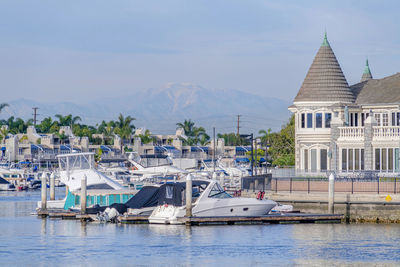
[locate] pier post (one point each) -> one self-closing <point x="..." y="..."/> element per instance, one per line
<point x="44" y="192"/>
<point x="83" y="194"/>
<point x="189" y="195"/>
<point x="52" y="186"/>
<point x="331" y="199"/>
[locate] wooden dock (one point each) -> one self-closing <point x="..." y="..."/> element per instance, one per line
<point x="231" y="220"/>
<point x="224" y="220"/>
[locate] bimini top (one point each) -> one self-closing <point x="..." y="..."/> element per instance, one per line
<point x="325" y="81"/>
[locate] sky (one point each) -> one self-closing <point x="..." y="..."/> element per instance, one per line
<point x="80" y="50"/>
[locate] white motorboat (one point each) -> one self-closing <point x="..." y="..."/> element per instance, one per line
<point x="209" y="199"/>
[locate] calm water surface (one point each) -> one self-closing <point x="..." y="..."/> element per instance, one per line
<point x="27" y="240"/>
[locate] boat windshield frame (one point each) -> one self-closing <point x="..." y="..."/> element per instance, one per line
<point x="218" y="192"/>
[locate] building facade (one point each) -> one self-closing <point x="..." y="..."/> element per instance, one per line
<point x="344" y="128"/>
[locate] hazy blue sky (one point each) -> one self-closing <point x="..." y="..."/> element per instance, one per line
<point x="73" y="50"/>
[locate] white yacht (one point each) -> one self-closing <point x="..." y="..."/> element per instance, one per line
<point x="209" y="199"/>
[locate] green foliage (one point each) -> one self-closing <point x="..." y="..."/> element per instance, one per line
<point x="232" y="139"/>
<point x="195" y="135"/>
<point x="257" y="155"/>
<point x="146" y="138"/>
<point x="281" y="144"/>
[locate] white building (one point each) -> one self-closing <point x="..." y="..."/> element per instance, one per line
<point x="346" y="128"/>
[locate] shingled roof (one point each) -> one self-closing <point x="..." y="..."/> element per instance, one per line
<point x="378" y="91"/>
<point x="325" y="80"/>
<point x="367" y="73"/>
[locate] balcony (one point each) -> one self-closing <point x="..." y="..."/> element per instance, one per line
<point x="386" y="133"/>
<point x="351" y="133"/>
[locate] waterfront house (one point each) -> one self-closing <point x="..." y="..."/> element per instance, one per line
<point x="346" y="128"/>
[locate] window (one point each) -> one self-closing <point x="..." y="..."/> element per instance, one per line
<point x="328" y="118"/>
<point x="313" y="159"/>
<point x="385" y="119"/>
<point x="362" y="159"/>
<point x="396" y="159"/>
<point x="303" y="120"/>
<point x="377" y="159"/>
<point x="356" y="159"/>
<point x="393" y="119"/>
<point x="355" y="119"/>
<point x="398" y="119"/>
<point x="318" y="120"/>
<point x="306" y="159"/>
<point x="169" y="191"/>
<point x="384" y="159"/>
<point x="309" y="120"/>
<point x="350" y="164"/>
<point x="362" y="119"/>
<point x="351" y="119"/>
<point x="378" y="119"/>
<point x="344" y="159"/>
<point x="323" y="160"/>
<point x="218" y="192"/>
<point x="390" y="159"/>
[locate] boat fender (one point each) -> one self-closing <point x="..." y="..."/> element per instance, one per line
<point x="262" y="195"/>
<point x="259" y="195"/>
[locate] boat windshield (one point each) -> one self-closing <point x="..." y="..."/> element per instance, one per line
<point x="218" y="192"/>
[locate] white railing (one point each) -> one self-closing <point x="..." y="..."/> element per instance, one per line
<point x="386" y="132"/>
<point x="351" y="132"/>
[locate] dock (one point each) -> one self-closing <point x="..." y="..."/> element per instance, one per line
<point x="222" y="220"/>
<point x="232" y="220"/>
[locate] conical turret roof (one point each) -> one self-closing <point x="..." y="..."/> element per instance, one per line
<point x="367" y="73"/>
<point x="325" y="80"/>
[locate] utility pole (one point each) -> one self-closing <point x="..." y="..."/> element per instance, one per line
<point x="238" y="124"/>
<point x="35" y="115"/>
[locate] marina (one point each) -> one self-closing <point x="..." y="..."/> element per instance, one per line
<point x="55" y="239"/>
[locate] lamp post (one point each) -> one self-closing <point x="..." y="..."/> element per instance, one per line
<point x="252" y="152"/>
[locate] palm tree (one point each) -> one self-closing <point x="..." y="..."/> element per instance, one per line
<point x="187" y="127"/>
<point x="146" y="137"/>
<point x="194" y="134"/>
<point x="124" y="128"/>
<point x="3" y="133"/>
<point x="266" y="136"/>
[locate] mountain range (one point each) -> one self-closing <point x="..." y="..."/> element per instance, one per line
<point x="160" y="109"/>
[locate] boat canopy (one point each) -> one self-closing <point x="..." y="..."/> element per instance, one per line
<point x="72" y="161"/>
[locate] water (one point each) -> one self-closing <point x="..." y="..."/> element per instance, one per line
<point x="27" y="240"/>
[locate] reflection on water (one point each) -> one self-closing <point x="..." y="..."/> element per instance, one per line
<point x="29" y="240"/>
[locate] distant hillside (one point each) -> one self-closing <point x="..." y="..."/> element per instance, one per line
<point x="160" y="109"/>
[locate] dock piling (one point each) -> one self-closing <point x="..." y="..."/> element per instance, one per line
<point x="44" y="192"/>
<point x="189" y="195"/>
<point x="83" y="194"/>
<point x="52" y="187"/>
<point x="331" y="199"/>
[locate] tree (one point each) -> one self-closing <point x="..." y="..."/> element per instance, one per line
<point x="3" y="133"/>
<point x="282" y="145"/>
<point x="195" y="135"/>
<point x="124" y="128"/>
<point x="232" y="139"/>
<point x="146" y="137"/>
